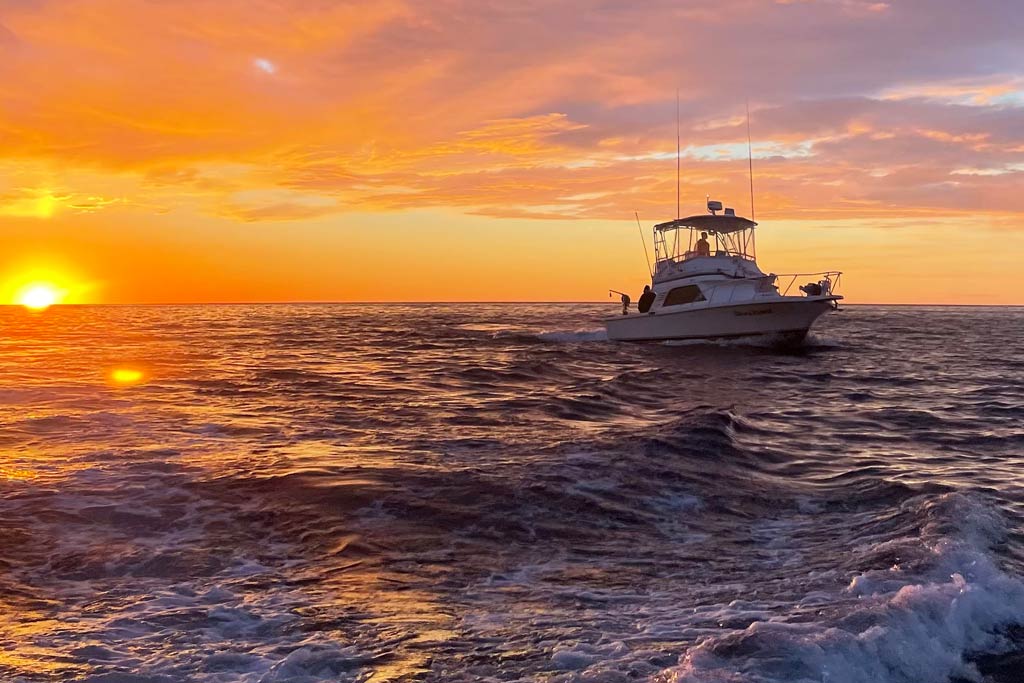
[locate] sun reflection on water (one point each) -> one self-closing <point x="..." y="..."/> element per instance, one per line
<point x="15" y="473"/>
<point x="23" y="623"/>
<point x="126" y="376"/>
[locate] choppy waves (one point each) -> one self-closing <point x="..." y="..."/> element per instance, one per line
<point x="476" y="494"/>
<point x="922" y="619"/>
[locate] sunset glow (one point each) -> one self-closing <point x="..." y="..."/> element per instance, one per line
<point x="39" y="297"/>
<point x="529" y="340"/>
<point x="222" y="154"/>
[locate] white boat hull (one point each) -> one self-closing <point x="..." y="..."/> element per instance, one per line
<point x="788" y="318"/>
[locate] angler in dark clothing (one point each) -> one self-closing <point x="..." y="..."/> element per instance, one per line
<point x="646" y="300"/>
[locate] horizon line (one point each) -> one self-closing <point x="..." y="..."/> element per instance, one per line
<point x="448" y="302"/>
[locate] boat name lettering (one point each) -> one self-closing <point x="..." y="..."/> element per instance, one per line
<point x="757" y="311"/>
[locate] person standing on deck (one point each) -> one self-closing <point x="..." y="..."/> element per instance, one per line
<point x="646" y="300"/>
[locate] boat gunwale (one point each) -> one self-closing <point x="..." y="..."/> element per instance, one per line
<point x="767" y="302"/>
<point x="713" y="337"/>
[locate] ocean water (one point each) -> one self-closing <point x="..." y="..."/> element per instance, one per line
<point x="496" y="493"/>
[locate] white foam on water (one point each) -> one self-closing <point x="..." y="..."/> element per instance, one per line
<point x="486" y="327"/>
<point x="920" y="621"/>
<point x="576" y="657"/>
<point x="315" y="663"/>
<point x="904" y="627"/>
<point x="573" y="336"/>
<point x="922" y="633"/>
<point x="142" y="593"/>
<point x="740" y="342"/>
<point x="687" y="342"/>
<point x="223" y="631"/>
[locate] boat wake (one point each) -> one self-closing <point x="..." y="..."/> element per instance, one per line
<point x="573" y="336"/>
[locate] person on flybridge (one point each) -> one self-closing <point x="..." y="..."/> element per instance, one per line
<point x="703" y="248"/>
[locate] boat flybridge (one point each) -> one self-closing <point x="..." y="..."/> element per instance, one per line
<point x="706" y="285"/>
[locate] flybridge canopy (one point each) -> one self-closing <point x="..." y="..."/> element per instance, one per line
<point x="709" y="236"/>
<point x="721" y="225"/>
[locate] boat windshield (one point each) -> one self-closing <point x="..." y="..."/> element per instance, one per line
<point x="704" y="236"/>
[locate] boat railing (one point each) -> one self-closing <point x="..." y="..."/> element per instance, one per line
<point x="827" y="280"/>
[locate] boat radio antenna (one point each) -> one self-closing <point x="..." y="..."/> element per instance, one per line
<point x="750" y="163"/>
<point x="646" y="255"/>
<point x="677" y="154"/>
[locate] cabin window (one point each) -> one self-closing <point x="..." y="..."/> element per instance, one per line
<point x="683" y="295"/>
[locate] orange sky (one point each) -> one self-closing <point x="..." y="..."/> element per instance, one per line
<point x="275" y="151"/>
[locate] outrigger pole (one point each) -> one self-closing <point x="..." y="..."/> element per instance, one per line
<point x="677" y="154"/>
<point x="750" y="163"/>
<point x="675" y="244"/>
<point x="750" y="171"/>
<point x="646" y="255"/>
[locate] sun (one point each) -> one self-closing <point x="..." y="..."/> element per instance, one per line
<point x="39" y="296"/>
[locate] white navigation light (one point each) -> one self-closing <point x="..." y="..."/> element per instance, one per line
<point x="714" y="206"/>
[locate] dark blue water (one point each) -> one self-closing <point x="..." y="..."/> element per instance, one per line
<point x="496" y="493"/>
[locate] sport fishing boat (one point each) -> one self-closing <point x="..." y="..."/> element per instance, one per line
<point x="706" y="284"/>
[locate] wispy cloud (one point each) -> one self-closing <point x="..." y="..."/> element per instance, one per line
<point x="284" y="110"/>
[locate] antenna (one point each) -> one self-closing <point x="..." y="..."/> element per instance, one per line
<point x="646" y="256"/>
<point x="677" y="153"/>
<point x="750" y="163"/>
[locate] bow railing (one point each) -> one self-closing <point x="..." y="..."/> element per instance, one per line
<point x="826" y="280"/>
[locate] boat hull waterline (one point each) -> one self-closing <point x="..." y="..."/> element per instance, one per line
<point x="786" y="319"/>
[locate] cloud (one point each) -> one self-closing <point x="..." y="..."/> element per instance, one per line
<point x="46" y="202"/>
<point x="282" y="110"/>
<point x="999" y="89"/>
<point x="264" y="65"/>
<point x="276" y="205"/>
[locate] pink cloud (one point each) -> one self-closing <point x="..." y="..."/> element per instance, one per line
<point x="521" y="108"/>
